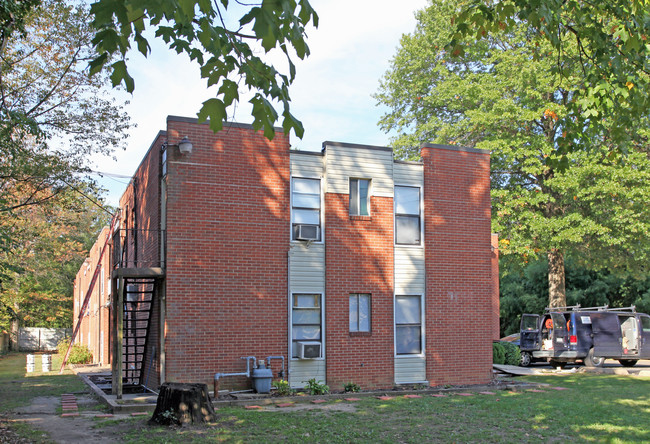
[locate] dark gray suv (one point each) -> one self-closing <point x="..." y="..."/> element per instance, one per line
<point x="591" y="335"/>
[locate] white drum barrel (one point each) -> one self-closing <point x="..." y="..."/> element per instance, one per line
<point x="46" y="361"/>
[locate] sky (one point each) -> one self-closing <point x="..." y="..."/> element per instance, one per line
<point x="332" y="94"/>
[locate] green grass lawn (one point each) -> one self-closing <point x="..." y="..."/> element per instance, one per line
<point x="593" y="408"/>
<point x="17" y="387"/>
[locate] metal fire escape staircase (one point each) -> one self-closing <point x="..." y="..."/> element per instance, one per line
<point x="137" y="308"/>
<point x="137" y="286"/>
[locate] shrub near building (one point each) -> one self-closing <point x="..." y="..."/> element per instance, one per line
<point x="80" y="354"/>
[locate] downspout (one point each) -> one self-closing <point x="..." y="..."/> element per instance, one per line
<point x="289" y="302"/>
<point x="163" y="264"/>
<point x="135" y="222"/>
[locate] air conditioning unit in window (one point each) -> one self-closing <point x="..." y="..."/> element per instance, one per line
<point x="309" y="350"/>
<point x="308" y="232"/>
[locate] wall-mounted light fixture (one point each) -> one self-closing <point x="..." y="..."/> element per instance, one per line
<point x="185" y="146"/>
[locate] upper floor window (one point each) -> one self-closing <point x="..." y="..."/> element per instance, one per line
<point x="407" y="215"/>
<point x="359" y="312"/>
<point x="359" y="197"/>
<point x="305" y="209"/>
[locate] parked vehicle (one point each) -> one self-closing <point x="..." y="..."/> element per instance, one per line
<point x="572" y="334"/>
<point x="513" y="338"/>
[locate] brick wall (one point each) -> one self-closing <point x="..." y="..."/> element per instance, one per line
<point x="359" y="258"/>
<point x="459" y="305"/>
<point x="227" y="242"/>
<point x="496" y="325"/>
<point x="97" y="314"/>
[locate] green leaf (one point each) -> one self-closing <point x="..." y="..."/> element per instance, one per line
<point x="213" y="110"/>
<point x="97" y="64"/>
<point x="230" y="92"/>
<point x="143" y="44"/>
<point x="120" y="74"/>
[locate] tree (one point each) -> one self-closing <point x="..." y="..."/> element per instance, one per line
<point x="524" y="289"/>
<point x="40" y="259"/>
<point x="503" y="94"/>
<point x="608" y="41"/>
<point x="200" y="28"/>
<point x="46" y="93"/>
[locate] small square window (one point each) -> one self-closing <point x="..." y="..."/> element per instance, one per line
<point x="359" y="312"/>
<point x="359" y="197"/>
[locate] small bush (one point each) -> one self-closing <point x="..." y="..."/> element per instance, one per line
<point x="351" y="387"/>
<point x="317" y="387"/>
<point x="512" y="353"/>
<point x="498" y="353"/>
<point x="282" y="387"/>
<point x="80" y="354"/>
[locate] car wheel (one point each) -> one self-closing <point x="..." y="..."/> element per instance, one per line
<point x="526" y="359"/>
<point x="593" y="361"/>
<point x="627" y="362"/>
<point x="556" y="364"/>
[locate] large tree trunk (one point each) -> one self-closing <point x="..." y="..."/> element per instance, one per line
<point x="15" y="329"/>
<point x="180" y="403"/>
<point x="556" y="286"/>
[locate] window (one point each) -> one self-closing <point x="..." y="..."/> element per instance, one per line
<point x="306" y="320"/>
<point x="645" y="323"/>
<point x="359" y="312"/>
<point x="359" y="195"/>
<point x="407" y="215"/>
<point x="305" y="209"/>
<point x="164" y="159"/>
<point x="408" y="325"/>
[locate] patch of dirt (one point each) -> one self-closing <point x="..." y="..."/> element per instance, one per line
<point x="42" y="415"/>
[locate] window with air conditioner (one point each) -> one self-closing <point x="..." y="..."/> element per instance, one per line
<point x="408" y="226"/>
<point x="305" y="209"/>
<point x="309" y="350"/>
<point x="306" y="326"/>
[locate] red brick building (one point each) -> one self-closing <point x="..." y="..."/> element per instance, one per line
<point x="353" y="266"/>
<point x="95" y="322"/>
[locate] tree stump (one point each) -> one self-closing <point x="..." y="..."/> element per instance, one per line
<point x="180" y="403"/>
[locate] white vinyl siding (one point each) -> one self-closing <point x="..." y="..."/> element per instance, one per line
<point x="410" y="370"/>
<point x="344" y="162"/>
<point x="307" y="268"/>
<point x="302" y="370"/>
<point x="410" y="174"/>
<point x="410" y="276"/>
<point x="307" y="276"/>
<point x="306" y="165"/>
